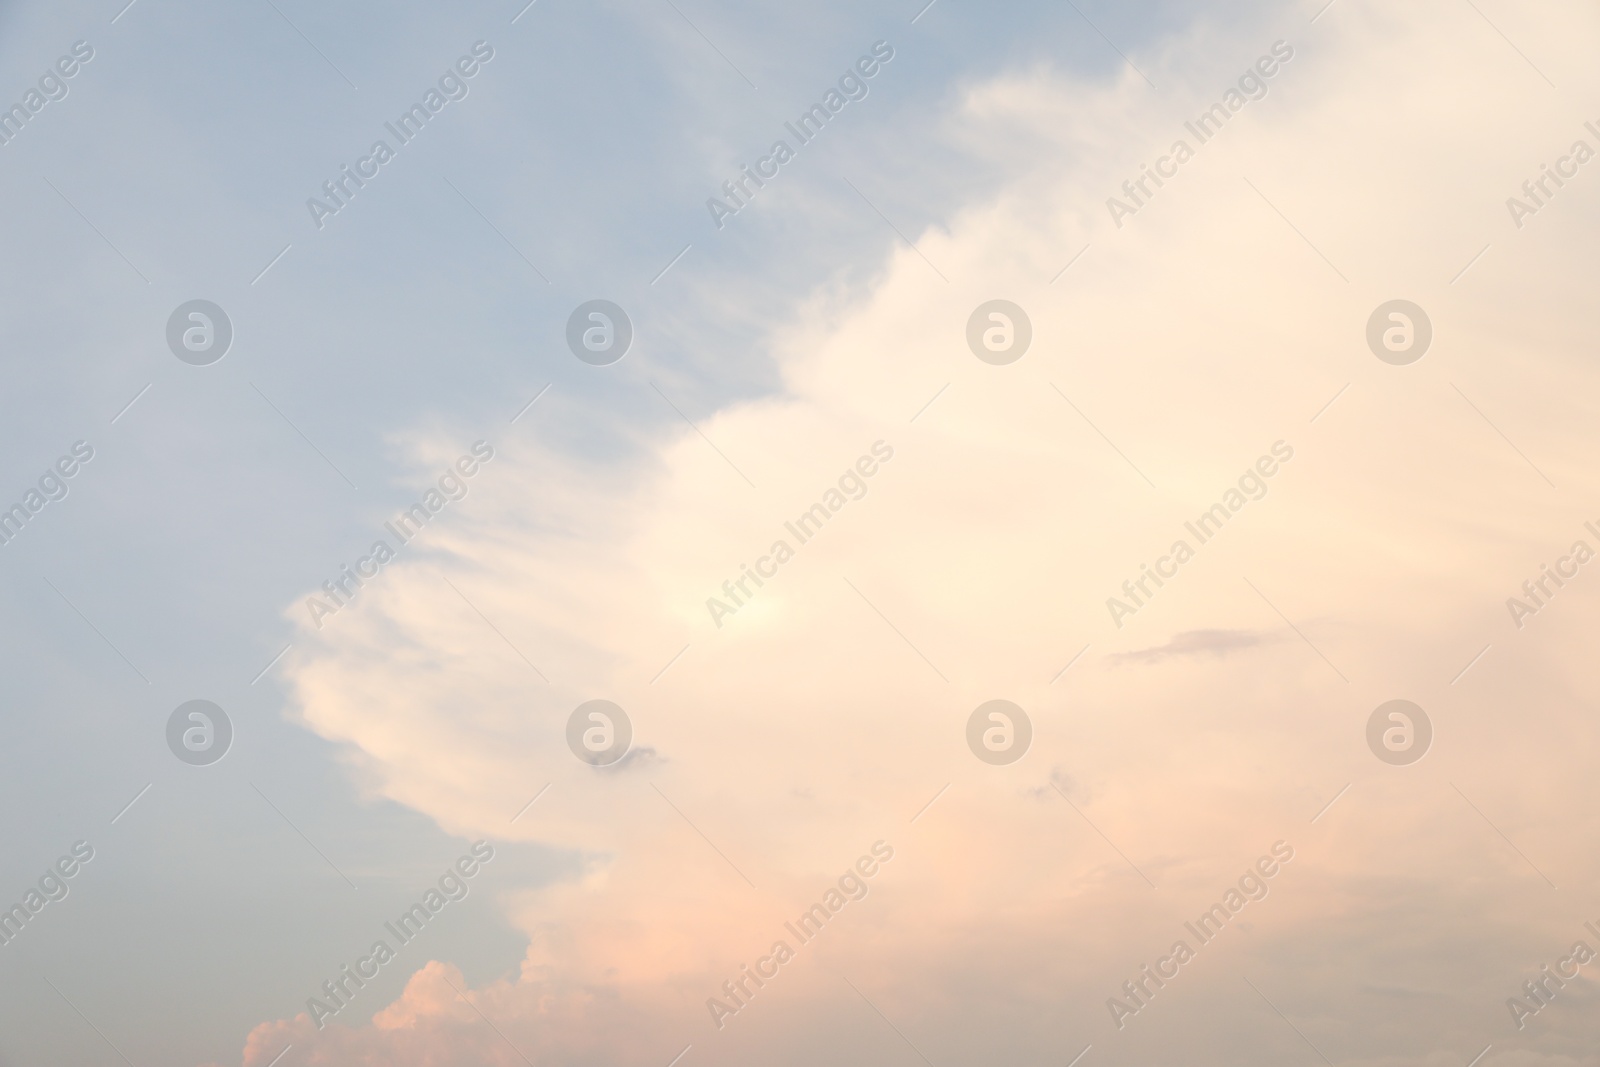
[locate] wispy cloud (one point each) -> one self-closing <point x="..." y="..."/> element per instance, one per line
<point x="1213" y="643"/>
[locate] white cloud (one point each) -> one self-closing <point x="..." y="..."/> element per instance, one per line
<point x="809" y="725"/>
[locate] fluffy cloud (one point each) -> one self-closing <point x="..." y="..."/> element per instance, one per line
<point x="825" y="713"/>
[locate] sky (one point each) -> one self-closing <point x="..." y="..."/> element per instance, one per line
<point x="1087" y="563"/>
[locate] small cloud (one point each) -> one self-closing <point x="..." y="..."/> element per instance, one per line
<point x="1217" y="643"/>
<point x="1060" y="783"/>
<point x="643" y="757"/>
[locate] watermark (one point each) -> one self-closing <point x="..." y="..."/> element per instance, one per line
<point x="1252" y="86"/>
<point x="1579" y="154"/>
<point x="999" y="332"/>
<point x="599" y="332"/>
<point x="1399" y="732"/>
<point x="52" y="486"/>
<point x="852" y="85"/>
<point x="199" y="332"/>
<point x="1531" y="601"/>
<point x="1251" y="887"/>
<point x="852" y="885"/>
<point x="803" y="529"/>
<point x="452" y="886"/>
<point x="52" y="86"/>
<point x="199" y="732"/>
<point x="1206" y="526"/>
<point x="451" y="486"/>
<point x="452" y="85"/>
<point x="599" y="732"/>
<point x="1537" y="992"/>
<point x="1399" y="332"/>
<point x="999" y="732"/>
<point x="52" y="887"/>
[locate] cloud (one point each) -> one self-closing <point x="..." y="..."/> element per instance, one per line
<point x="1217" y="643"/>
<point x="829" y="708"/>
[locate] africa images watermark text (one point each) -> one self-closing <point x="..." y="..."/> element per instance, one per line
<point x="852" y="86"/>
<point x="1206" y="526"/>
<point x="803" y="528"/>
